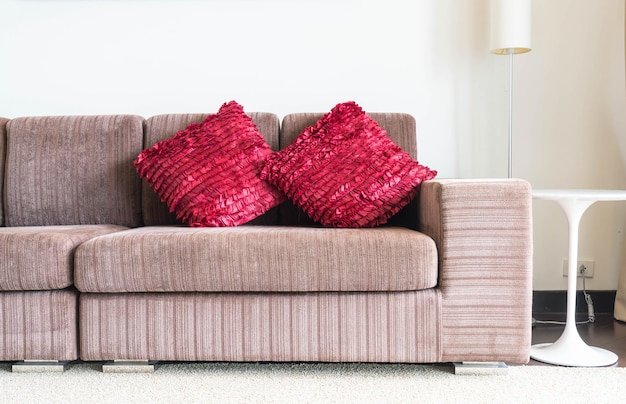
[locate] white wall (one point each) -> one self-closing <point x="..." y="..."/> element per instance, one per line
<point x="571" y="126"/>
<point x="429" y="58"/>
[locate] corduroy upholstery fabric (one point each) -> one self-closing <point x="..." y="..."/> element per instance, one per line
<point x="400" y="128"/>
<point x="483" y="232"/>
<point x="39" y="325"/>
<point x="66" y="170"/>
<point x="161" y="127"/>
<point x="3" y="139"/>
<point x="42" y="257"/>
<point x="329" y="327"/>
<point x="253" y="258"/>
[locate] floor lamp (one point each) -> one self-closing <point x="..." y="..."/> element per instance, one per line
<point x="510" y="34"/>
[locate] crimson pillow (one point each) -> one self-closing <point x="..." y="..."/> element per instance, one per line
<point x="345" y="171"/>
<point x="208" y="173"/>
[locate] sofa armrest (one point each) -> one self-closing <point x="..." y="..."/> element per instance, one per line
<point x="483" y="233"/>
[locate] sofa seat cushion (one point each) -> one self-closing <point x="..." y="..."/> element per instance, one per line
<point x="256" y="259"/>
<point x="41" y="257"/>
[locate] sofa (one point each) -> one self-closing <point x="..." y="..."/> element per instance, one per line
<point x="95" y="267"/>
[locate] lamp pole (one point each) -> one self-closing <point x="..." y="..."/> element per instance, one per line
<point x="510" y="34"/>
<point x="511" y="52"/>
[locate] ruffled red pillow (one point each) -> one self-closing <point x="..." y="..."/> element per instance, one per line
<point x="345" y="171"/>
<point x="208" y="173"/>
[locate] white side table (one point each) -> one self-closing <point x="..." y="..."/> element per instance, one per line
<point x="570" y="349"/>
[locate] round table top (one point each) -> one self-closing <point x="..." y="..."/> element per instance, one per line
<point x="580" y="194"/>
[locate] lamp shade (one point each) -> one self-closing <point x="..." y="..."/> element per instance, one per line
<point x="511" y="26"/>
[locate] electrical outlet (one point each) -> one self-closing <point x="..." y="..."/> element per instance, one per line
<point x="586" y="266"/>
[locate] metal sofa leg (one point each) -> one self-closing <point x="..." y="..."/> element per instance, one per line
<point x="39" y="366"/>
<point x="480" y="368"/>
<point x="129" y="366"/>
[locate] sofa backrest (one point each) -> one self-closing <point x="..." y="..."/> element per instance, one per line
<point x="400" y="128"/>
<point x="161" y="127"/>
<point x="63" y="170"/>
<point x="3" y="138"/>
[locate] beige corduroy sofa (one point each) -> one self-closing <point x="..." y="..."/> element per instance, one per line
<point x="94" y="267"/>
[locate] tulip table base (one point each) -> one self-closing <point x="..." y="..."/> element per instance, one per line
<point x="570" y="349"/>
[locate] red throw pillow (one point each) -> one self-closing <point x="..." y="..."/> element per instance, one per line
<point x="208" y="173"/>
<point x="345" y="171"/>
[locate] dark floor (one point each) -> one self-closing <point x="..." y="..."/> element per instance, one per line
<point x="605" y="333"/>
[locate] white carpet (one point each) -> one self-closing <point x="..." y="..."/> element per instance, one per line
<point x="314" y="383"/>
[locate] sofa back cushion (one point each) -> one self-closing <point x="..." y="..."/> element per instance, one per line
<point x="400" y="128"/>
<point x="3" y="122"/>
<point x="161" y="127"/>
<point x="64" y="170"/>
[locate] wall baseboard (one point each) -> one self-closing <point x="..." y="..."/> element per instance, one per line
<point x="555" y="301"/>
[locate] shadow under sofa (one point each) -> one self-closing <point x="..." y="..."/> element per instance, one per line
<point x="448" y="280"/>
